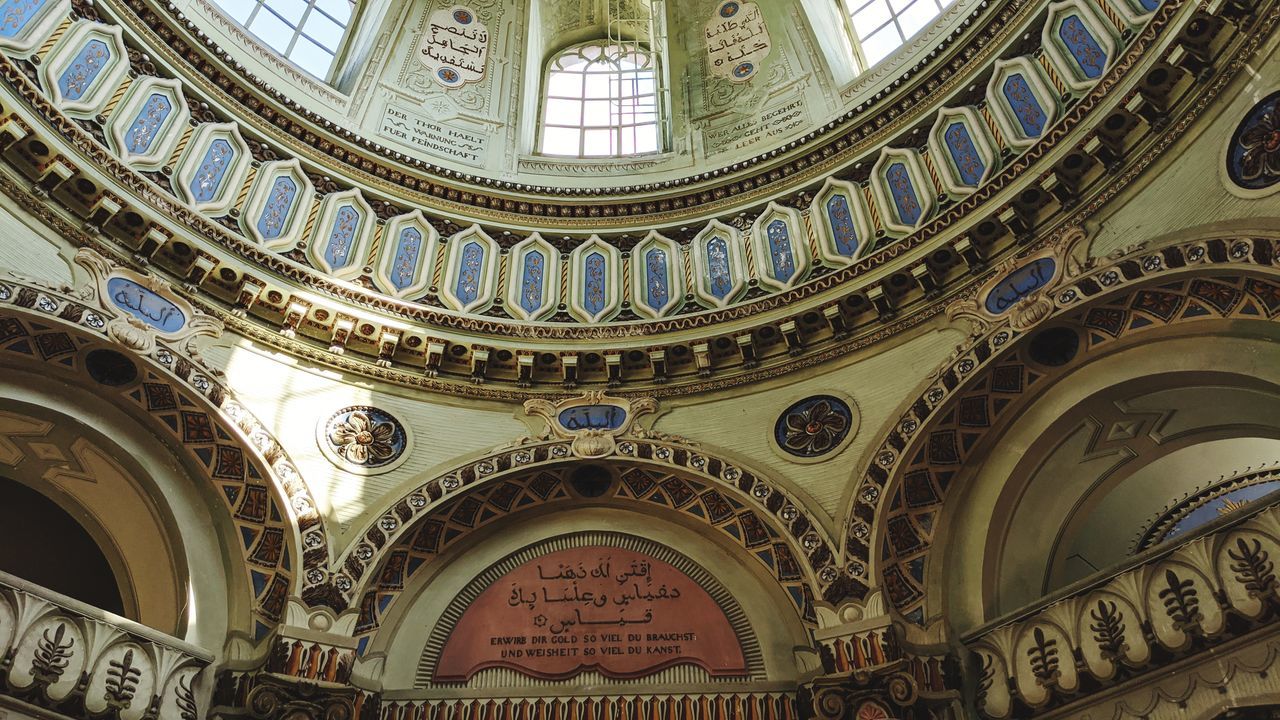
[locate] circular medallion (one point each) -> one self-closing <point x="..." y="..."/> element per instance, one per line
<point x="729" y="9"/>
<point x="364" y="439"/>
<point x="463" y="16"/>
<point x="871" y="710"/>
<point x="1253" y="157"/>
<point x="743" y="70"/>
<point x="814" y="426"/>
<point x="448" y="75"/>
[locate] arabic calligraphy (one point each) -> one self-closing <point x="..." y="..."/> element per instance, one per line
<point x="455" y="46"/>
<point x="737" y="40"/>
<point x="145" y="305"/>
<point x="619" y="611"/>
<point x="1019" y="284"/>
<point x="592" y="417"/>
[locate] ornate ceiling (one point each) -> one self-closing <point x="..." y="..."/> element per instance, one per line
<point x="320" y="239"/>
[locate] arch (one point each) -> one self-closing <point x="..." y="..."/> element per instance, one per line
<point x="546" y="505"/>
<point x="763" y="521"/>
<point x="182" y="402"/>
<point x="584" y="106"/>
<point x="1134" y="292"/>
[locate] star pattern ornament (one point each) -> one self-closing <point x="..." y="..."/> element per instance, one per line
<point x="814" y="426"/>
<point x="365" y="436"/>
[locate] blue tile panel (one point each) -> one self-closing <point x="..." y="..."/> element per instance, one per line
<point x="780" y="254"/>
<point x="84" y="69"/>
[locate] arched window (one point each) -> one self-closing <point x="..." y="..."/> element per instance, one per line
<point x="307" y="32"/>
<point x="600" y="99"/>
<point x="881" y="26"/>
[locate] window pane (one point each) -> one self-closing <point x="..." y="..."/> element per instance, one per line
<point x="289" y="10"/>
<point x="561" y="84"/>
<point x="597" y="86"/>
<point x="560" y="141"/>
<point x="271" y="30"/>
<point x="868" y="20"/>
<point x="597" y="113"/>
<point x="917" y="16"/>
<point x="324" y="31"/>
<point x="339" y="10"/>
<point x="237" y="10"/>
<point x="563" y="112"/>
<point x="311" y="57"/>
<point x="597" y="142"/>
<point x="898" y="6"/>
<point x="647" y="138"/>
<point x="878" y="46"/>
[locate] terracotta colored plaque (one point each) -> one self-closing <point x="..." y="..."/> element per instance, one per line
<point x="621" y="612"/>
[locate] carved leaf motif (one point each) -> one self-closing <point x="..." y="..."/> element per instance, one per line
<point x="1044" y="658"/>
<point x="122" y="681"/>
<point x="1181" y="603"/>
<point x="185" y="699"/>
<point x="1253" y="568"/>
<point x="52" y="655"/>
<point x="1108" y="630"/>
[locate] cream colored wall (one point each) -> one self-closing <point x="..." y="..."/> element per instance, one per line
<point x="292" y="399"/>
<point x="29" y="248"/>
<point x="1187" y="195"/>
<point x="741" y="421"/>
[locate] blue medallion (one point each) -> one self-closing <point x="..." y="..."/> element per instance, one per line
<point x="780" y="255"/>
<point x="142" y="132"/>
<point x="1025" y="105"/>
<point x="1089" y="55"/>
<point x="903" y="192"/>
<point x="814" y="426"/>
<point x="531" y="281"/>
<point x="145" y="305"/>
<point x="275" y="213"/>
<point x="84" y="69"/>
<point x="657" y="292"/>
<point x="404" y="266"/>
<point x="592" y="417"/>
<point x="843" y="230"/>
<point x="1019" y="284"/>
<point x="1149" y="5"/>
<point x="208" y="177"/>
<point x="593" y="287"/>
<point x="15" y="15"/>
<point x="470" y="266"/>
<point x="1253" y="157"/>
<point x="964" y="154"/>
<point x="342" y="236"/>
<point x="718" y="271"/>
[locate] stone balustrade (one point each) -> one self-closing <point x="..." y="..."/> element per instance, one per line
<point x="68" y="658"/>
<point x="1171" y="602"/>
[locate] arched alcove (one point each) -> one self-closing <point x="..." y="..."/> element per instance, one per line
<point x="1109" y="445"/>
<point x="42" y="543"/>
<point x="443" y="567"/>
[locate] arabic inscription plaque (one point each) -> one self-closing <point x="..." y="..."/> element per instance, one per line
<point x="736" y="40"/>
<point x="455" y="46"/>
<point x="621" y="612"/>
